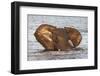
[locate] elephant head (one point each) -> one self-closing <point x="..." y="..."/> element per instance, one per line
<point x="74" y="36"/>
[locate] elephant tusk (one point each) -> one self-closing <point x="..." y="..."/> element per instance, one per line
<point x="71" y="43"/>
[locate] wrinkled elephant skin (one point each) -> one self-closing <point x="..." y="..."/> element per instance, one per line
<point x="52" y="38"/>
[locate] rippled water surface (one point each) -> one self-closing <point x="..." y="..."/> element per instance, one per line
<point x="36" y="50"/>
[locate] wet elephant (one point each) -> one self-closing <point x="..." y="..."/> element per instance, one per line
<point x="52" y="38"/>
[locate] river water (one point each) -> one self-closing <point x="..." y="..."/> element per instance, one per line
<point x="36" y="50"/>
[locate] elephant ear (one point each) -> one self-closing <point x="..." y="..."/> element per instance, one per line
<point x="74" y="35"/>
<point x="43" y="35"/>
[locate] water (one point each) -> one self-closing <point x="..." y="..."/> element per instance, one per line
<point x="36" y="50"/>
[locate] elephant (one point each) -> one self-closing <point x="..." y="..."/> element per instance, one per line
<point x="53" y="38"/>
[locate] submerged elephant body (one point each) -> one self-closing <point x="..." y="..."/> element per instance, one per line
<point x="52" y="38"/>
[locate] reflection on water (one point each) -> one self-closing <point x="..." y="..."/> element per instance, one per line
<point x="36" y="50"/>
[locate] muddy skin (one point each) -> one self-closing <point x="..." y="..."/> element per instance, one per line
<point x="52" y="38"/>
